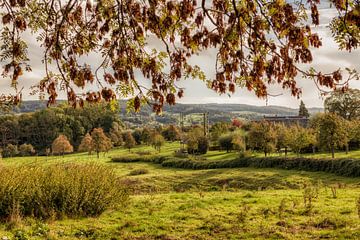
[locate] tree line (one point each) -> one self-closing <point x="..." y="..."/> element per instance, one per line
<point x="34" y="133"/>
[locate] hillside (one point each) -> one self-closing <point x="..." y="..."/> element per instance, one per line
<point x="217" y="112"/>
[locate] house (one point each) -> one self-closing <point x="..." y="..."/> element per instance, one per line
<point x="287" y="120"/>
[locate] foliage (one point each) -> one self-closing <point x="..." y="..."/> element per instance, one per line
<point x="239" y="142"/>
<point x="61" y="145"/>
<point x="256" y="43"/>
<point x="26" y="150"/>
<point x="100" y="141"/>
<point x="303" y="112"/>
<point x="218" y="129"/>
<point x="196" y="142"/>
<point x="115" y="134"/>
<point x="146" y="135"/>
<point x="42" y="127"/>
<point x="129" y="141"/>
<point x="262" y="137"/>
<point x="342" y="167"/>
<point x="87" y="144"/>
<point x="300" y="138"/>
<point x="202" y="145"/>
<point x="10" y="151"/>
<point x="137" y="135"/>
<point x="332" y="132"/>
<point x="171" y="133"/>
<point x="226" y="142"/>
<point x="345" y="104"/>
<point x="138" y="158"/>
<point x="60" y="190"/>
<point x="158" y="141"/>
<point x="283" y="137"/>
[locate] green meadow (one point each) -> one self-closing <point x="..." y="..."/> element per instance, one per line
<point x="237" y="203"/>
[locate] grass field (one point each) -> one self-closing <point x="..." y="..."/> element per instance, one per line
<point x="248" y="203"/>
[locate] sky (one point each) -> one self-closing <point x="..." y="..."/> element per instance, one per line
<point x="326" y="59"/>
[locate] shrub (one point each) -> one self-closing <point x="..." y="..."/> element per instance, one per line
<point x="26" y="150"/>
<point x="55" y="191"/>
<point x="138" y="172"/>
<point x="136" y="158"/>
<point x="10" y="151"/>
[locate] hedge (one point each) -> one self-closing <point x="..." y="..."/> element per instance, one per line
<point x="342" y="167"/>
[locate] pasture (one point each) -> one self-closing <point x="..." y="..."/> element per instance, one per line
<point x="238" y="203"/>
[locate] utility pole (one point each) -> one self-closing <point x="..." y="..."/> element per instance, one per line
<point x="182" y="129"/>
<point x="206" y="123"/>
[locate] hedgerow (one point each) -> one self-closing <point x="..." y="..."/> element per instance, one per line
<point x="342" y="167"/>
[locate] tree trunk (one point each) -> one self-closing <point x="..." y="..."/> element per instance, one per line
<point x="265" y="154"/>
<point x="332" y="151"/>
<point x="347" y="148"/>
<point x="98" y="154"/>
<point x="286" y="151"/>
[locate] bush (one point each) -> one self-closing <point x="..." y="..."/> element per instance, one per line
<point x="137" y="158"/>
<point x="71" y="190"/>
<point x="138" y="172"/>
<point x="10" y="151"/>
<point x="26" y="150"/>
<point x="342" y="167"/>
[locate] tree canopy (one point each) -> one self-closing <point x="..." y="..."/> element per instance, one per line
<point x="257" y="42"/>
<point x="345" y="104"/>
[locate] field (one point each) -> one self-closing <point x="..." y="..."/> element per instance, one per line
<point x="168" y="203"/>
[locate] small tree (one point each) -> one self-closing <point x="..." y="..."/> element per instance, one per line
<point x="87" y="144"/>
<point x="146" y="136"/>
<point x="116" y="135"/>
<point x="303" y="112"/>
<point x="332" y="132"/>
<point x="217" y="130"/>
<point x="171" y="133"/>
<point x="129" y="141"/>
<point x="137" y="134"/>
<point x="238" y="142"/>
<point x="101" y="142"/>
<point x="283" y="136"/>
<point x="202" y="145"/>
<point x="26" y="150"/>
<point x="158" y="141"/>
<point x="262" y="137"/>
<point x="61" y="145"/>
<point x="226" y="142"/>
<point x="300" y="138"/>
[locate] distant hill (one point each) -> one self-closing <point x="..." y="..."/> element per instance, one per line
<point x="217" y="112"/>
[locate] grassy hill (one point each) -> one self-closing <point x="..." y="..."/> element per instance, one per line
<point x="239" y="203"/>
<point x="217" y="112"/>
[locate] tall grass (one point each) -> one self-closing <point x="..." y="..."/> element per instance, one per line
<point x="72" y="190"/>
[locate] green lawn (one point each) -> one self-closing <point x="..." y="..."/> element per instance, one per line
<point x="236" y="203"/>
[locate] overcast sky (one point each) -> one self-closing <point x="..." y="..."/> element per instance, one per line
<point x="326" y="59"/>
